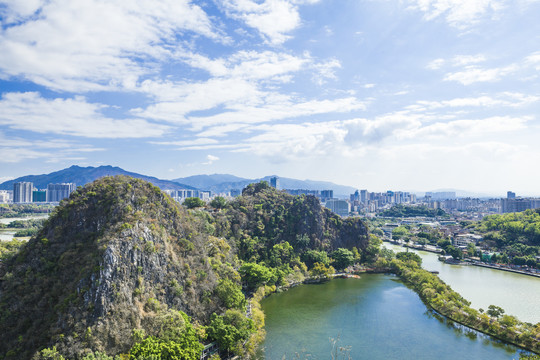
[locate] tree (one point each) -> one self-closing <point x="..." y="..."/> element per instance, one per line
<point x="231" y="294"/>
<point x="281" y="254"/>
<point x="399" y="232"/>
<point x="407" y="256"/>
<point x="342" y="258"/>
<point x="471" y="249"/>
<point x="494" y="311"/>
<point x="255" y="275"/>
<point x="230" y="329"/>
<point x="193" y="202"/>
<point x="311" y="257"/>
<point x="152" y="347"/>
<point x="219" y="202"/>
<point x="322" y="270"/>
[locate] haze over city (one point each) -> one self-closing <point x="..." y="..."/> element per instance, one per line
<point x="408" y="95"/>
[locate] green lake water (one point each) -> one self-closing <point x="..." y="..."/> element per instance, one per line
<point x="375" y="317"/>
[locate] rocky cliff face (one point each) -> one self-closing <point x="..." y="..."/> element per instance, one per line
<point x="119" y="255"/>
<point x="106" y="259"/>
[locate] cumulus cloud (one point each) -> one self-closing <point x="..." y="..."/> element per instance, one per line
<point x="273" y="19"/>
<point x="71" y="116"/>
<point x="94" y="45"/>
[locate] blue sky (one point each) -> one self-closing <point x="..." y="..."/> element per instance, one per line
<point x="377" y="94"/>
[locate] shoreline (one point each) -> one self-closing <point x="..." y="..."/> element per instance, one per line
<point x="472" y="263"/>
<point x="506" y="269"/>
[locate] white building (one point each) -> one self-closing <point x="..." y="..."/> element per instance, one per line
<point x="58" y="192"/>
<point x="340" y="207"/>
<point x="22" y="192"/>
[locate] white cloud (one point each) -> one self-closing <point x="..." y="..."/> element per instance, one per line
<point x="456" y="61"/>
<point x="276" y="108"/>
<point x="474" y="74"/>
<point x="458" y="13"/>
<point x="466" y="128"/>
<point x="502" y="99"/>
<point x="274" y="19"/>
<point x="534" y="60"/>
<point x="93" y="45"/>
<point x="435" y="64"/>
<point x="72" y="116"/>
<point x="15" y="149"/>
<point x="250" y="64"/>
<point x="325" y="70"/>
<point x="210" y="159"/>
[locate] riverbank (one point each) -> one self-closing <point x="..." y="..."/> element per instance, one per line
<point x="506" y="269"/>
<point x="484" y="265"/>
<point x="438" y="296"/>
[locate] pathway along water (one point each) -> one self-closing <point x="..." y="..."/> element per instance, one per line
<point x="517" y="294"/>
<point x="375" y="317"/>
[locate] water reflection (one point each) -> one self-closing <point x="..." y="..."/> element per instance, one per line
<point x="375" y="317"/>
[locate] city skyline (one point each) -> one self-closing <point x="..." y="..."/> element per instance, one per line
<point x="408" y="95"/>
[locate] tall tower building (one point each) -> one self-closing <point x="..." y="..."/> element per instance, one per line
<point x="274" y="182"/>
<point x="58" y="192"/>
<point x="510" y="195"/>
<point x="22" y="192"/>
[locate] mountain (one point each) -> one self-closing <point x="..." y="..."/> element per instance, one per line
<point x="220" y="183"/>
<point x="83" y="175"/>
<point x="209" y="181"/>
<point x="121" y="268"/>
<point x="119" y="256"/>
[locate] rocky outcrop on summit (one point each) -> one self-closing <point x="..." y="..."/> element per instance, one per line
<point x="271" y="217"/>
<point x="105" y="260"/>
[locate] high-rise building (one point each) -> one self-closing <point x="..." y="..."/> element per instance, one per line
<point x="340" y="207"/>
<point x="22" y="192"/>
<point x="274" y="182"/>
<point x="515" y="205"/>
<point x="58" y="192"/>
<point x="510" y="195"/>
<point x="327" y="195"/>
<point x="364" y="196"/>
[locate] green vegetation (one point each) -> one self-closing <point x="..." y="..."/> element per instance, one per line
<point x="121" y="264"/>
<point x="9" y="248"/>
<point x="219" y="202"/>
<point x="515" y="236"/>
<point x="412" y="211"/>
<point x="22" y="210"/>
<point x="193" y="203"/>
<point x="441" y="298"/>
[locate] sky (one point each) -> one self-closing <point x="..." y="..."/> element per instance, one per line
<point x="413" y="95"/>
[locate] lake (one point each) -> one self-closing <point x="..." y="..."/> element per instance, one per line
<point x="374" y="317"/>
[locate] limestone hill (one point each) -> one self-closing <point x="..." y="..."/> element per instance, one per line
<point x="87" y="279"/>
<point x="120" y="258"/>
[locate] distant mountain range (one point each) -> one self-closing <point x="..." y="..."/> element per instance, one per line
<point x="221" y="183"/>
<point x="83" y="175"/>
<point x="217" y="183"/>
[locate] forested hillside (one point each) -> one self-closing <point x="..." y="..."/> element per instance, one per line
<point x="515" y="235"/>
<point x="120" y="268"/>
